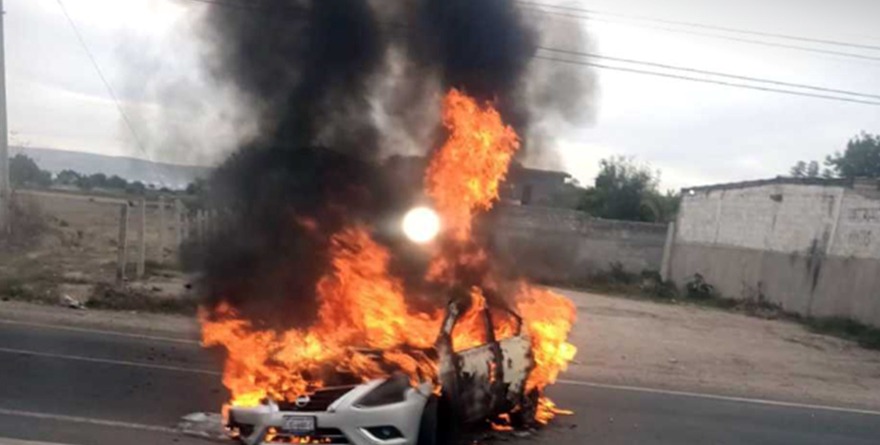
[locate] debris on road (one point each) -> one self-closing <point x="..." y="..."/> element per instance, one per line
<point x="204" y="425"/>
<point x="73" y="303"/>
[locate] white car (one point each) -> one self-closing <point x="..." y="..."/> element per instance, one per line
<point x="477" y="384"/>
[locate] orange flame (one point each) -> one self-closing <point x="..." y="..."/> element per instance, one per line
<point x="502" y="423"/>
<point x="362" y="314"/>
<point x="365" y="327"/>
<point x="549" y="318"/>
<point x="465" y="173"/>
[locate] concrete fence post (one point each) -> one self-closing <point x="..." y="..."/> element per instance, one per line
<point x="122" y="244"/>
<point x="215" y="222"/>
<point x="199" y="227"/>
<point x="187" y="225"/>
<point x="162" y="228"/>
<point x="209" y="223"/>
<point x="178" y="222"/>
<point x="141" y="238"/>
<point x="665" y="269"/>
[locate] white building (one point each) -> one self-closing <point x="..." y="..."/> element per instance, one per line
<point x="810" y="245"/>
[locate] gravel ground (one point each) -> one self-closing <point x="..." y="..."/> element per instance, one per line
<point x="687" y="348"/>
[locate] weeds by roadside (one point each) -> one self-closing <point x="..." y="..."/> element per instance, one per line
<point x="122" y="299"/>
<point x="27" y="223"/>
<point x="102" y="296"/>
<point x="649" y="285"/>
<point x="19" y="291"/>
<point x="864" y="335"/>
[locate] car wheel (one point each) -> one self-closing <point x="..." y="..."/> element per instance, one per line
<point x="428" y="424"/>
<point x="524" y="417"/>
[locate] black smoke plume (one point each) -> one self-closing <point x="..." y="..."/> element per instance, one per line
<point x="310" y="71"/>
<point x="483" y="47"/>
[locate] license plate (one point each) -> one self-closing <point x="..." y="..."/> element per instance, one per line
<point x="299" y="424"/>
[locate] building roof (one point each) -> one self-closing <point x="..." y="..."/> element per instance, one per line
<point x="520" y="172"/>
<point x="832" y="182"/>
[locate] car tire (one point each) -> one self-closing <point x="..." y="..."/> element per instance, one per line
<point x="428" y="423"/>
<point x="524" y="417"/>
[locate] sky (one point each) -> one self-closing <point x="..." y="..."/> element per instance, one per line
<point x="693" y="133"/>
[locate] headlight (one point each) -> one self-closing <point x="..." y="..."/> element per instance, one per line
<point x="421" y="225"/>
<point x="390" y="391"/>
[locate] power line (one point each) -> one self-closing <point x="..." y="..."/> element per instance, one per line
<point x="235" y="5"/>
<point x="706" y="26"/>
<point x="249" y="7"/>
<point x="159" y="176"/>
<point x="668" y="75"/>
<point x="536" y="7"/>
<point x="718" y="36"/>
<point x="703" y="80"/>
<point x="713" y="73"/>
<point x="109" y="88"/>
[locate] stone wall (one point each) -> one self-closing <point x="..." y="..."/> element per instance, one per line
<point x="562" y="245"/>
<point x="813" y="248"/>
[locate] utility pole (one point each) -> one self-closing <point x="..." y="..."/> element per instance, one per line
<point x="5" y="194"/>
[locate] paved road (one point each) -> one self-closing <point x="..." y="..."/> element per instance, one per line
<point x="80" y="387"/>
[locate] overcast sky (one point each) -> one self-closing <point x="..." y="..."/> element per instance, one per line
<point x="694" y="133"/>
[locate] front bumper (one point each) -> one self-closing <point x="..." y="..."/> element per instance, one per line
<point x="343" y="422"/>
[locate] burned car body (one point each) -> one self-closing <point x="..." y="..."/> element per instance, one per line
<point x="476" y="383"/>
<point x="339" y="415"/>
<point x="489" y="379"/>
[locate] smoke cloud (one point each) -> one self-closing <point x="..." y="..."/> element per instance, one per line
<point x="336" y="86"/>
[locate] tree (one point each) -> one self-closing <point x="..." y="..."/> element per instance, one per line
<point x="136" y="188"/>
<point x="84" y="182"/>
<point x="115" y="182"/>
<point x="98" y="180"/>
<point x="68" y="177"/>
<point x="664" y="207"/>
<point x="799" y="170"/>
<point x="813" y="169"/>
<point x="861" y="159"/>
<point x="807" y="170"/>
<point x="197" y="187"/>
<point x="627" y="191"/>
<point x="24" y="171"/>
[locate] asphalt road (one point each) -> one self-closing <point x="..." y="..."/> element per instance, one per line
<point x="82" y="387"/>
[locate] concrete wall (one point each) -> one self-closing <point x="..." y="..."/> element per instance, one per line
<point x="565" y="245"/>
<point x="812" y="248"/>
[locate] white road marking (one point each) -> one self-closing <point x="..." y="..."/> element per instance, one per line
<point x="561" y="381"/>
<point x="719" y="397"/>
<point x="109" y="361"/>
<point x="8" y="441"/>
<point x="86" y="420"/>
<point x="100" y="331"/>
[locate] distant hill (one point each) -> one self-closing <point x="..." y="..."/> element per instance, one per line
<point x="131" y="169"/>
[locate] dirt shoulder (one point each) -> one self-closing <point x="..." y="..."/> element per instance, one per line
<point x="688" y="348"/>
<point x="632" y="342"/>
<point x="176" y="326"/>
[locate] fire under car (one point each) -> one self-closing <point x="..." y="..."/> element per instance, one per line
<point x="476" y="384"/>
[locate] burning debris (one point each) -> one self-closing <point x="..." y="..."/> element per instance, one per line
<point x="311" y="294"/>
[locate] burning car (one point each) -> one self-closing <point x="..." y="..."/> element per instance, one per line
<point x="379" y="358"/>
<point x="477" y="383"/>
<point x="333" y="328"/>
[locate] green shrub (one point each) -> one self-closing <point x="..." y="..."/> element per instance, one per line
<point x="654" y="286"/>
<point x="698" y="289"/>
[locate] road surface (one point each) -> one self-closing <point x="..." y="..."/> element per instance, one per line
<point x="83" y="387"/>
